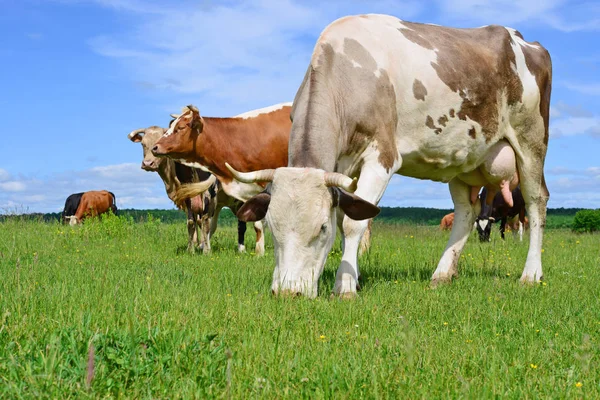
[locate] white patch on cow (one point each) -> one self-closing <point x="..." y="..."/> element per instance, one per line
<point x="241" y="248"/>
<point x="483" y="223"/>
<point x="356" y="65"/>
<point x="531" y="92"/>
<point x="265" y="110"/>
<point x="377" y="73"/>
<point x="193" y="165"/>
<point x="520" y="41"/>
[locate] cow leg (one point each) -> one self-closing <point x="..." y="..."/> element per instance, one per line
<point x="371" y="185"/>
<point x="260" y="238"/>
<point x="191" y="227"/>
<point x="521" y="223"/>
<point x="502" y="227"/>
<point x="535" y="193"/>
<point x="365" y="241"/>
<point x="204" y="221"/>
<point x="464" y="217"/>
<point x="241" y="235"/>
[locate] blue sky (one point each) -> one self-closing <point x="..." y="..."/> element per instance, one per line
<point x="77" y="75"/>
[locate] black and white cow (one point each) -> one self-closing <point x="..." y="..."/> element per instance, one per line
<point x="71" y="205"/>
<point x="499" y="210"/>
<point x="383" y="96"/>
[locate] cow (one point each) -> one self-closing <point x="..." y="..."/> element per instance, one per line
<point x="499" y="211"/>
<point x="382" y="96"/>
<point x="71" y="205"/>
<point x="447" y="221"/>
<point x="254" y="140"/>
<point x="92" y="204"/>
<point x="202" y="210"/>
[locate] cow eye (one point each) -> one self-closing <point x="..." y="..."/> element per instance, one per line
<point x="323" y="228"/>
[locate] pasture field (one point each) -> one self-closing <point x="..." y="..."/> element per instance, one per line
<point x="124" y="301"/>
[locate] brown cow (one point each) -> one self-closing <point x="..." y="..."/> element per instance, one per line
<point x="254" y="140"/>
<point x="447" y="222"/>
<point x="92" y="204"/>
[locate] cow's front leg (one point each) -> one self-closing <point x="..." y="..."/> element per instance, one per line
<point x="464" y="217"/>
<point x="371" y="185"/>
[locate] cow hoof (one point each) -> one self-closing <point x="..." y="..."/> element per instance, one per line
<point x="344" y="296"/>
<point x="441" y="281"/>
<point x="530" y="280"/>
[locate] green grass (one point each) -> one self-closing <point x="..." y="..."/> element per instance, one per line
<point x="165" y="324"/>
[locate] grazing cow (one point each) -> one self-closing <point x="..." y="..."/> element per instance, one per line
<point x="92" y="204"/>
<point x="70" y="207"/>
<point x="202" y="210"/>
<point x="500" y="211"/>
<point x="384" y="96"/>
<point x="447" y="221"/>
<point x="253" y="140"/>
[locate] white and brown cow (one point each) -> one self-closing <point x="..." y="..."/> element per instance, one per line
<point x="383" y="96"/>
<point x="202" y="210"/>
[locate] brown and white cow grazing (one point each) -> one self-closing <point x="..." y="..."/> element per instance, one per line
<point x="383" y="96"/>
<point x="202" y="210"/>
<point x="92" y="204"/>
<point x="447" y="222"/>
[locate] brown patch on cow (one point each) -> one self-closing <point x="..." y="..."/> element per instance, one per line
<point x="371" y="119"/>
<point x="442" y="120"/>
<point x="416" y="38"/>
<point x="475" y="63"/>
<point x="472" y="132"/>
<point x="431" y="125"/>
<point x="451" y="113"/>
<point x="419" y="90"/>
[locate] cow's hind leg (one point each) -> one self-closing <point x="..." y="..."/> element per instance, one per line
<point x="535" y="193"/>
<point x="464" y="217"/>
<point x="371" y="185"/>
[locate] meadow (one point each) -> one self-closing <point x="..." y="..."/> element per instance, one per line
<point x="120" y="309"/>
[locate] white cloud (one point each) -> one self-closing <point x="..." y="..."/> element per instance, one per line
<point x="12" y="186"/>
<point x="133" y="187"/>
<point x="587" y="88"/>
<point x="571" y="126"/>
<point x="561" y="15"/>
<point x="245" y="54"/>
<point x="4" y="175"/>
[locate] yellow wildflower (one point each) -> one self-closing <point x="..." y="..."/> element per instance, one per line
<point x="579" y="384"/>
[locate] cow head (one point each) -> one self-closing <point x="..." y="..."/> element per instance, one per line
<point x="73" y="220"/>
<point x="484" y="228"/>
<point x="148" y="138"/>
<point x="300" y="209"/>
<point x="182" y="135"/>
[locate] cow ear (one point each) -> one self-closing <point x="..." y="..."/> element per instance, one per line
<point x="136" y="138"/>
<point x="255" y="209"/>
<point x="353" y="206"/>
<point x="198" y="123"/>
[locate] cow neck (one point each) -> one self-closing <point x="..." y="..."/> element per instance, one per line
<point x="313" y="148"/>
<point x="167" y="174"/>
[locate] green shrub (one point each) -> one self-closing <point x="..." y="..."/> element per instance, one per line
<point x="587" y="221"/>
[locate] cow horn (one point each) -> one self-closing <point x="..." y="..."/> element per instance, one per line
<point x="341" y="181"/>
<point x="264" y="175"/>
<point x="174" y="116"/>
<point x="135" y="132"/>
